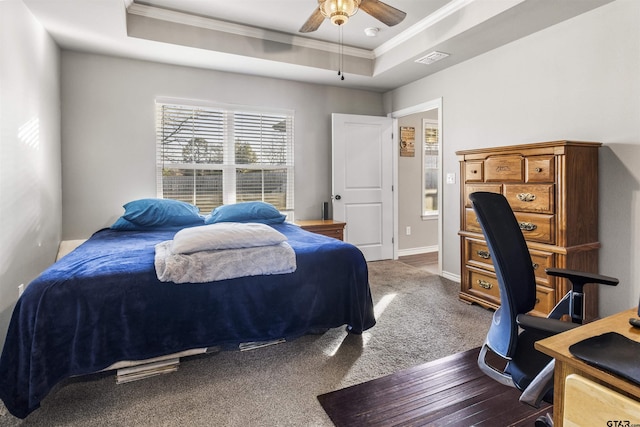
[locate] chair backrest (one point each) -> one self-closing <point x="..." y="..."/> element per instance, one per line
<point x="513" y="267"/>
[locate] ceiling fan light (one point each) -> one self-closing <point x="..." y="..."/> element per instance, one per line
<point x="339" y="11"/>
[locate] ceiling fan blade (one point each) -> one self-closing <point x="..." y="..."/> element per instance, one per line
<point x="384" y="13"/>
<point x="313" y="23"/>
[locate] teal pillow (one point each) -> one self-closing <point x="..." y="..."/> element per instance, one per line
<point x="260" y="212"/>
<point x="158" y="213"/>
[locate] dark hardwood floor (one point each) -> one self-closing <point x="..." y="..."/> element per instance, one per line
<point x="451" y="391"/>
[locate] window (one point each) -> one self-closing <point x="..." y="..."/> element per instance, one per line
<point x="431" y="168"/>
<point x="211" y="154"/>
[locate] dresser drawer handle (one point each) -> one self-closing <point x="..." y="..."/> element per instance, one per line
<point x="484" y="284"/>
<point x="535" y="265"/>
<point x="537" y="301"/>
<point x="527" y="226"/>
<point x="483" y="254"/>
<point x="526" y="197"/>
<point x="538" y="170"/>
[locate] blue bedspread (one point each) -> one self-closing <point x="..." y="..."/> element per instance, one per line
<point x="103" y="303"/>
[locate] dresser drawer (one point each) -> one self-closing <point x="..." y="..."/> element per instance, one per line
<point x="472" y="188"/>
<point x="503" y="169"/>
<point x="473" y="171"/>
<point x="541" y="261"/>
<point x="476" y="253"/>
<point x="530" y="197"/>
<point x="536" y="227"/>
<point x="471" y="221"/>
<point x="326" y="227"/>
<point x="545" y="301"/>
<point x="540" y="169"/>
<point x="483" y="284"/>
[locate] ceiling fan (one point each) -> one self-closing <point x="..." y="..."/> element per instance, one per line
<point x="339" y="11"/>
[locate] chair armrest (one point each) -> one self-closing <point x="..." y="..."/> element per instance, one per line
<point x="580" y="278"/>
<point x="544" y="325"/>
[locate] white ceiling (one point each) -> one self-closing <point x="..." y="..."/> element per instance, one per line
<point x="260" y="37"/>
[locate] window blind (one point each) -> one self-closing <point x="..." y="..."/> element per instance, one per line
<point x="213" y="155"/>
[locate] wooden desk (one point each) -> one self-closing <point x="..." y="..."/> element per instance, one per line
<point x="326" y="227"/>
<point x="557" y="346"/>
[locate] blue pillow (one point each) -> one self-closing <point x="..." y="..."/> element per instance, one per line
<point x="260" y="212"/>
<point x="161" y="213"/>
<point x="124" y="225"/>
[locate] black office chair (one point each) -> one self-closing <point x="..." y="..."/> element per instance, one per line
<point x="513" y="333"/>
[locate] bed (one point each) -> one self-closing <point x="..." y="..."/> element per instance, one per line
<point x="103" y="303"/>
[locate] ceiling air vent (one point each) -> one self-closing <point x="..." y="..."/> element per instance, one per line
<point x="432" y="57"/>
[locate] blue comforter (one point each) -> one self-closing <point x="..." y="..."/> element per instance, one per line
<point x="103" y="303"/>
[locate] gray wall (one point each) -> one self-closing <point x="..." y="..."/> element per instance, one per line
<point x="424" y="232"/>
<point x="108" y="130"/>
<point x="30" y="199"/>
<point x="577" y="80"/>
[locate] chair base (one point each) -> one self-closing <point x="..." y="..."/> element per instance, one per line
<point x="544" y="421"/>
<point x="492" y="371"/>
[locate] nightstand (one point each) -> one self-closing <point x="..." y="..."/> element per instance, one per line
<point x="326" y="227"/>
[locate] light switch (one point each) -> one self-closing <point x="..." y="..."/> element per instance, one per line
<point x="451" y="178"/>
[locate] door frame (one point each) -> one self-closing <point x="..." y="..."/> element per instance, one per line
<point x="395" y="115"/>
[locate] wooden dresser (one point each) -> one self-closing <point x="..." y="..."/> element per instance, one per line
<point x="552" y="188"/>
<point x="326" y="227"/>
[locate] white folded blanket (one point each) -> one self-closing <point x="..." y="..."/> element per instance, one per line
<point x="225" y="235"/>
<point x="212" y="265"/>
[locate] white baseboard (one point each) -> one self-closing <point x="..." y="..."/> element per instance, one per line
<point x="451" y="276"/>
<point x="416" y="251"/>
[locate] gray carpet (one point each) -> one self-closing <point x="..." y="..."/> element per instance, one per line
<point x="419" y="319"/>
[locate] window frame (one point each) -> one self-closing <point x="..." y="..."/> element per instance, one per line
<point x="430" y="124"/>
<point x="228" y="166"/>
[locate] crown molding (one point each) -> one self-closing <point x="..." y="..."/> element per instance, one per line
<point x="437" y="16"/>
<point x="243" y="30"/>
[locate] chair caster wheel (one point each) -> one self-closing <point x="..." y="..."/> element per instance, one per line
<point x="544" y="421"/>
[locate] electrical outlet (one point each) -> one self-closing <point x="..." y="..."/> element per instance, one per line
<point x="20" y="289"/>
<point x="408" y="231"/>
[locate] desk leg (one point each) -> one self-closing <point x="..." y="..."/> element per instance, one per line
<point x="559" y="376"/>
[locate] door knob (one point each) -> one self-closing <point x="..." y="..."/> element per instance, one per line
<point x="338" y="197"/>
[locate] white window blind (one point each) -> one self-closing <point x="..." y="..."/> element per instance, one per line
<point x="211" y="155"/>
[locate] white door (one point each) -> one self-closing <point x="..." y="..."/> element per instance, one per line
<point x="362" y="182"/>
